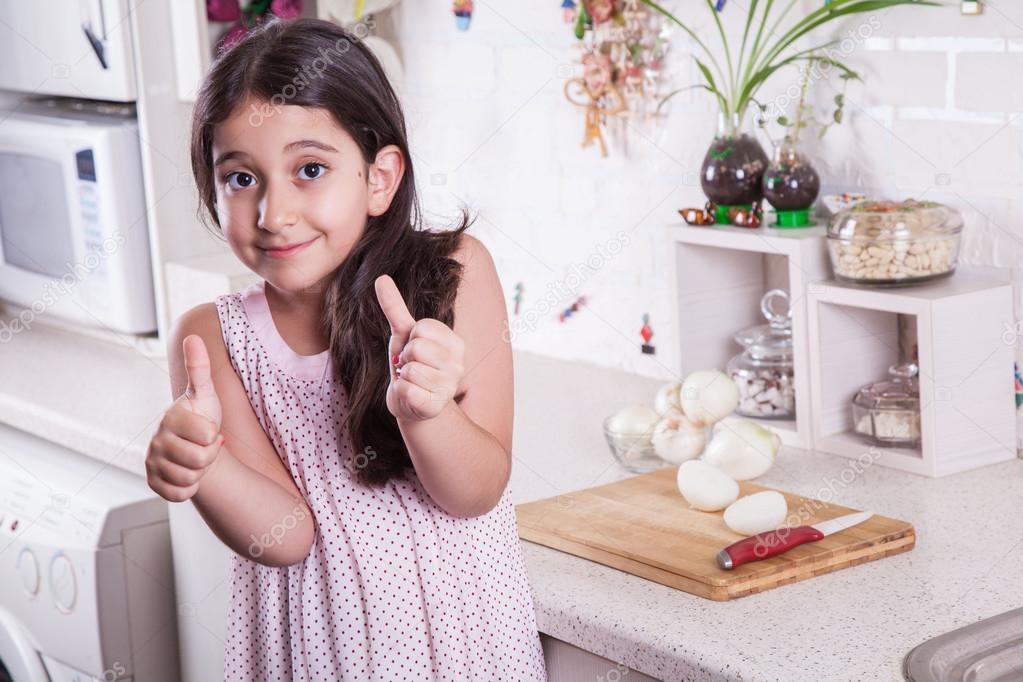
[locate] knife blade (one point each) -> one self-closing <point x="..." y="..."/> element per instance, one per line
<point x="778" y="541"/>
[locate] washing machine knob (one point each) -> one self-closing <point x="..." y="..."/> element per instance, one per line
<point x="28" y="569"/>
<point x="63" y="585"/>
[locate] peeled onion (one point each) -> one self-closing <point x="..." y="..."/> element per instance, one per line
<point x="634" y="420"/>
<point x="742" y="449"/>
<point x="667" y="400"/>
<point x="708" y="396"/>
<point x="757" y="513"/>
<point x="705" y="487"/>
<point x="676" y="439"/>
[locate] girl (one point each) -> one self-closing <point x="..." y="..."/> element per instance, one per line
<point x="344" y="424"/>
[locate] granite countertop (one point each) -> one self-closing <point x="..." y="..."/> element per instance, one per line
<point x="105" y="399"/>
<point x="853" y="624"/>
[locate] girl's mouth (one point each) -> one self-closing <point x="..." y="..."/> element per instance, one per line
<point x="288" y="251"/>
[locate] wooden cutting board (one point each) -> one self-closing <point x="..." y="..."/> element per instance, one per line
<point x="643" y="526"/>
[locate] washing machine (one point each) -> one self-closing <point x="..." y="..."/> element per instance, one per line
<point x="86" y="573"/>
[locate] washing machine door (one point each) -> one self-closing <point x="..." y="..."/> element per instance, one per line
<point x="17" y="654"/>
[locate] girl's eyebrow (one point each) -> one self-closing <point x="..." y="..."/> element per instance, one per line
<point x="297" y="144"/>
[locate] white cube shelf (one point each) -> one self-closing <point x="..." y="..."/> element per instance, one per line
<point x="968" y="416"/>
<point x="721" y="273"/>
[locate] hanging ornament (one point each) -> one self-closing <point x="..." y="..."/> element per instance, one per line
<point x="647" y="333"/>
<point x="568" y="11"/>
<point x="518" y="296"/>
<point x="598" y="95"/>
<point x="463" y="14"/>
<point x="628" y="42"/>
<point x="600" y="10"/>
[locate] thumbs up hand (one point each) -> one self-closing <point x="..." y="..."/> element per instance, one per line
<point x="186" y="444"/>
<point x="425" y="356"/>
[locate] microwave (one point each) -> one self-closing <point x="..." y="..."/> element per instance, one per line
<point x="74" y="240"/>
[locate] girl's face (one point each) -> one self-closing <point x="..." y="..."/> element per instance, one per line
<point x="293" y="191"/>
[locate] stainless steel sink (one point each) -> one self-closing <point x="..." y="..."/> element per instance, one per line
<point x="990" y="650"/>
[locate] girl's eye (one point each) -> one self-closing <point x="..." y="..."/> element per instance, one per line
<point x="248" y="183"/>
<point x="317" y="173"/>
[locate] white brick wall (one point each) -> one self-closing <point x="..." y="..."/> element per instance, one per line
<point x="937" y="116"/>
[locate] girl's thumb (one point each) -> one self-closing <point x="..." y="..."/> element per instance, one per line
<point x="197" y="367"/>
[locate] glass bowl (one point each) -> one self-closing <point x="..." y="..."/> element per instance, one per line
<point x="634" y="453"/>
<point x="888" y="243"/>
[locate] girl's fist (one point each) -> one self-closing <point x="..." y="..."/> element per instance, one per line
<point x="185" y="446"/>
<point x="425" y="356"/>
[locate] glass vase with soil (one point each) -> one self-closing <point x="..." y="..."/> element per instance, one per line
<point x="791" y="184"/>
<point x="732" y="174"/>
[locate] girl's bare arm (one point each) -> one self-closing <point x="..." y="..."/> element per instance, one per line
<point x="247" y="497"/>
<point x="463" y="455"/>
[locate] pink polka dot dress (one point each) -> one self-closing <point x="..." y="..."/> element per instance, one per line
<point x="394" y="588"/>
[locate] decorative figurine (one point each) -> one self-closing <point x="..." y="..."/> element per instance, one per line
<point x="463" y="14"/>
<point x="742" y="217"/>
<point x="647" y="333"/>
<point x="705" y="216"/>
<point x="518" y="296"/>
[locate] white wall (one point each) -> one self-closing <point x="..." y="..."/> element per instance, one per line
<point x="937" y="116"/>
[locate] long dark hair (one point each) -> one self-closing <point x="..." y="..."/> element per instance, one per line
<point x="314" y="63"/>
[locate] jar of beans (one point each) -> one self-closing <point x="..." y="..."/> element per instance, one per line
<point x="888" y="243"/>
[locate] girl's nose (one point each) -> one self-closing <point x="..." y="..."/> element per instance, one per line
<point x="278" y="209"/>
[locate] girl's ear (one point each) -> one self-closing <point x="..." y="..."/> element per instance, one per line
<point x="383" y="177"/>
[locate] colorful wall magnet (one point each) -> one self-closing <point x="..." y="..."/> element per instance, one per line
<point x="647" y="333"/>
<point x="463" y="14"/>
<point x="568" y="10"/>
<point x="1019" y="384"/>
<point x="574" y="308"/>
<point x="518" y="296"/>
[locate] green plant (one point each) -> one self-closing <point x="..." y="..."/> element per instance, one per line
<point x="736" y="85"/>
<point x="804" y="113"/>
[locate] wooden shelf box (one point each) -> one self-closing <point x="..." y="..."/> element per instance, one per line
<point x="721" y="273"/>
<point x="967" y="415"/>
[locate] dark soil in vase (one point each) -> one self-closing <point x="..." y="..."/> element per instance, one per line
<point x="733" y="170"/>
<point x="791" y="185"/>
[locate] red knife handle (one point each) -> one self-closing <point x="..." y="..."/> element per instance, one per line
<point x="764" y="545"/>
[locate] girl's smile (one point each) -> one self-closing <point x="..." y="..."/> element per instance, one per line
<point x="287" y="250"/>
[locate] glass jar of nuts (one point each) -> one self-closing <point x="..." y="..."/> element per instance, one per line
<point x="888" y="243"/>
<point x="888" y="412"/>
<point x="764" y="370"/>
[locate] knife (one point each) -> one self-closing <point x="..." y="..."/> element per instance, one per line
<point x="775" y="542"/>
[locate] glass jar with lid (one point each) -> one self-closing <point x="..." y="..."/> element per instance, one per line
<point x="763" y="371"/>
<point x="887" y="412"/>
<point x="889" y="243"/>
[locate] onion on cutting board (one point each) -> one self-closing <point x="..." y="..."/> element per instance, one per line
<point x="756" y="513"/>
<point x="705" y="487"/>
